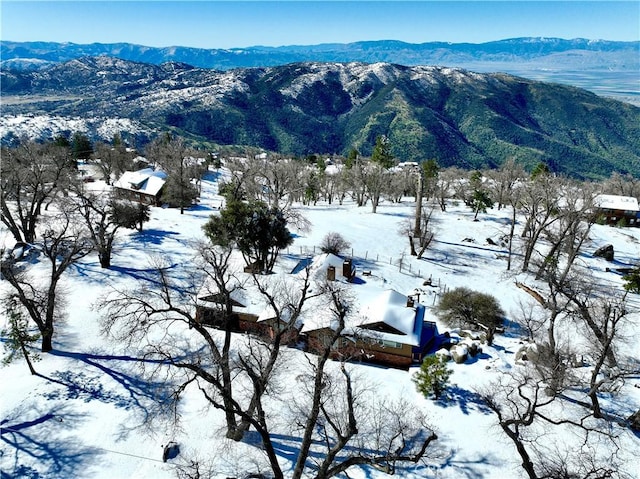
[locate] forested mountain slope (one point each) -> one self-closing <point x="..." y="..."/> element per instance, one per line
<point x="453" y="115"/>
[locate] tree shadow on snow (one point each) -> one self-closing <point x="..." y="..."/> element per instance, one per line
<point x="133" y="392"/>
<point x="288" y="447"/>
<point x="201" y="207"/>
<point x="466" y="468"/>
<point x="41" y="446"/>
<point x="467" y="401"/>
<point x="488" y="249"/>
<point x="144" y="274"/>
<point x="151" y="236"/>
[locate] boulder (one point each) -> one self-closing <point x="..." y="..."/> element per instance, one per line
<point x="528" y="352"/>
<point x="605" y="252"/>
<point x="459" y="353"/>
<point x="475" y="335"/>
<point x="443" y="353"/>
<point x="474" y="347"/>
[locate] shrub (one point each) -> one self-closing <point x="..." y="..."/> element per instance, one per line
<point x="334" y="243"/>
<point x="433" y="376"/>
<point x="462" y="307"/>
<point x="622" y="223"/>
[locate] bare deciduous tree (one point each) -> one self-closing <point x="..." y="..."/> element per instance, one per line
<point x="178" y="161"/>
<point x="571" y="230"/>
<point x="504" y="180"/>
<point x="30" y="176"/>
<point x="529" y="419"/>
<point x="539" y="204"/>
<point x="624" y="185"/>
<point x="62" y="244"/>
<point x="100" y="214"/>
<point x="112" y="160"/>
<point x="425" y="230"/>
<point x="447" y="185"/>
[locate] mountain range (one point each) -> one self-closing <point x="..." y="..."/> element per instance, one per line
<point x="609" y="68"/>
<point x="454" y="115"/>
<point x="575" y="54"/>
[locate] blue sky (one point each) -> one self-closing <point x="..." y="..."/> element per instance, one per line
<point x="227" y="24"/>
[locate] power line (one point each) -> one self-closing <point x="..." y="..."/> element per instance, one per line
<point x="108" y="450"/>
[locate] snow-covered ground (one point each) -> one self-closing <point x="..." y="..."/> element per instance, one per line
<point x="80" y="417"/>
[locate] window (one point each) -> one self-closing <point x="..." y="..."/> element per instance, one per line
<point x="386" y="344"/>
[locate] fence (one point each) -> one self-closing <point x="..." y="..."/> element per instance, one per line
<point x="404" y="265"/>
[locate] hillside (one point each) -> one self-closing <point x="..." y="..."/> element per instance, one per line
<point x="94" y="411"/>
<point x="457" y="116"/>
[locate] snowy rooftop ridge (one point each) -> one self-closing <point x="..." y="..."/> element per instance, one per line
<point x="147" y="181"/>
<point x="392" y="308"/>
<point x="617" y="202"/>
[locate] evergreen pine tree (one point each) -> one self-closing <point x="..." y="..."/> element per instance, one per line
<point x="433" y="376"/>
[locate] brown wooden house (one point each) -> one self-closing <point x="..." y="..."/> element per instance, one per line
<point x="143" y="186"/>
<point x="389" y="330"/>
<point x="617" y="210"/>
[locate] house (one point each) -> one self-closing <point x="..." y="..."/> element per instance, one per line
<point x="245" y="310"/>
<point x="144" y="186"/>
<point x="386" y="327"/>
<point x="390" y="330"/>
<point x="617" y="210"/>
<point x="250" y="311"/>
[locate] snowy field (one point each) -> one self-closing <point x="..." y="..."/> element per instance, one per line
<point x="83" y="415"/>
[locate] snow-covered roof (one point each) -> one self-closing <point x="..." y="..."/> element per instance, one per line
<point x="377" y="313"/>
<point x="244" y="298"/>
<point x="321" y="263"/>
<point x="390" y="308"/>
<point x="146" y="181"/>
<point x="616" y="202"/>
<point x="333" y="169"/>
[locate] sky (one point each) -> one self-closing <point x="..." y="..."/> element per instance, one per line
<point x="237" y="24"/>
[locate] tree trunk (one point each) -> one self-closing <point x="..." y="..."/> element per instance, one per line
<point x="511" y="233"/>
<point x="527" y="464"/>
<point x="47" y="340"/>
<point x="105" y="258"/>
<point x="595" y="403"/>
<point x="417" y="230"/>
<point x="25" y="353"/>
<point x="412" y="246"/>
<point x="9" y="222"/>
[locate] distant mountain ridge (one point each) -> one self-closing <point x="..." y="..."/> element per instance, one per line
<point x="576" y="53"/>
<point x="456" y="116"/>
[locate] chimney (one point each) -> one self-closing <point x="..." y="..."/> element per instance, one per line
<point x="347" y="268"/>
<point x="410" y="302"/>
<point x="331" y="273"/>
